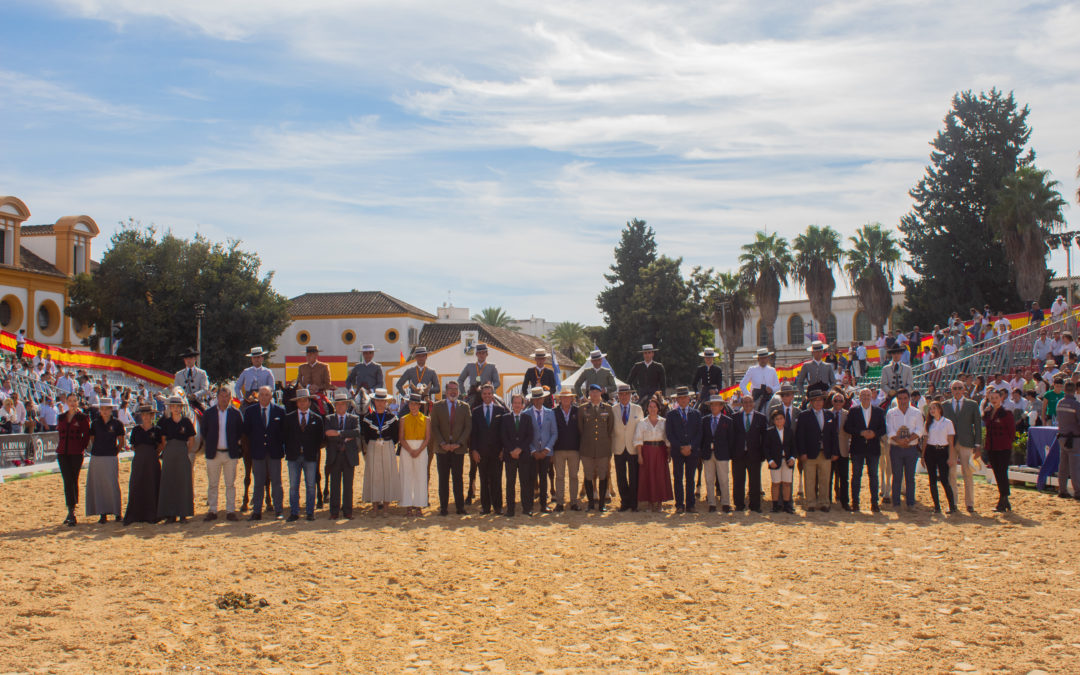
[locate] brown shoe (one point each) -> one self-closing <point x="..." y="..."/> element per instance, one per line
<point x="210" y="516"/>
<point x="231" y="516"/>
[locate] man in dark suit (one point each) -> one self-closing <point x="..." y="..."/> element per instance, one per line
<point x="747" y="454"/>
<point x="451" y="424"/>
<point x="708" y="376"/>
<point x="683" y="428"/>
<point x="516" y="432"/>
<point x="303" y="442"/>
<point x="817" y="441"/>
<point x="485" y="442"/>
<point x="717" y="436"/>
<point x="567" y="449"/>
<point x="866" y="425"/>
<point x="221" y="426"/>
<point x="264" y="428"/>
<point x="647" y="376"/>
<point x="342" y="437"/>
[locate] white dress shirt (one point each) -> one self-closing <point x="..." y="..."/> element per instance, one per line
<point x="912" y="419"/>
<point x="938" y="431"/>
<point x="222" y="417"/>
<point x="760" y="375"/>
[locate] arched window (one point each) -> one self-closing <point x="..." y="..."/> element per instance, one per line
<point x="795" y="334"/>
<point x="762" y="335"/>
<point x="830" y="329"/>
<point x="863" y="329"/>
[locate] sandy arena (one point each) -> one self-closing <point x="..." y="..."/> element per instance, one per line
<point x="577" y="592"/>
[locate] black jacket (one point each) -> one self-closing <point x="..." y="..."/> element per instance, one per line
<point x="810" y="439"/>
<point x="855" y="425"/>
<point x="485" y="438"/>
<point x="747" y="443"/>
<point x="234" y="424"/>
<point x="304" y="442"/>
<point x="516" y="437"/>
<point x="778" y="452"/>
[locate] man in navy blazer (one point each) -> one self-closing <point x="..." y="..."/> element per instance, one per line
<point x="747" y="454"/>
<point x="303" y="445"/>
<point x="683" y="427"/>
<point x="221" y="426"/>
<point x="264" y="428"/>
<point x="485" y="449"/>
<point x="717" y="440"/>
<point x="866" y="425"/>
<point x="817" y="441"/>
<point x="516" y="433"/>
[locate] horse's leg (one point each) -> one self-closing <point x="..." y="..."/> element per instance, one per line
<point x="473" y="468"/>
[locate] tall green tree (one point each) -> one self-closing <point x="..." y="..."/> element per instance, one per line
<point x="818" y="252"/>
<point x="766" y="264"/>
<point x="871" y="266"/>
<point x="571" y="339"/>
<point x="1027" y="211"/>
<point x="622" y="336"/>
<point x="152" y="283"/>
<point x="495" y="316"/>
<point x="957" y="260"/>
<point x="725" y="301"/>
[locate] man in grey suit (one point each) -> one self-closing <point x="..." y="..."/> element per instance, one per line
<point x="896" y="375"/>
<point x="367" y="374"/>
<point x="342" y="433"/>
<point x="474" y="375"/>
<point x="816" y="374"/>
<point x="964" y="414"/>
<point x="419" y="374"/>
<point x="191" y="378"/>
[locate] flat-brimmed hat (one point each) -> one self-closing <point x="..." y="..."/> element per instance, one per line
<point x="708" y="353"/>
<point x="108" y="402"/>
<point x="815" y="393"/>
<point x="256" y="351"/>
<point x="416" y="398"/>
<point x="481" y="347"/>
<point x="716" y="398"/>
<point x="145" y="408"/>
<point x="380" y="395"/>
<point x="420" y="351"/>
<point x="623" y="387"/>
<point x="764" y="351"/>
<point x="190" y="352"/>
<point x="682" y="391"/>
<point x="312" y="348"/>
<point x="566" y="391"/>
<point x="303" y="393"/>
<point x="172" y="400"/>
<point x="787" y="388"/>
<point x="648" y="348"/>
<point x="341" y="395"/>
<point x="596" y="354"/>
<point x="896" y="349"/>
<point x="816" y="345"/>
<point x="367" y="348"/>
<point x="537" y="392"/>
<point x="540" y="353"/>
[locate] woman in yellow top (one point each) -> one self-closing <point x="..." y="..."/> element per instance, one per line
<point x="415" y="435"/>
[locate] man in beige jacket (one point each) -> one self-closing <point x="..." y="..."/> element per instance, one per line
<point x="627" y="416"/>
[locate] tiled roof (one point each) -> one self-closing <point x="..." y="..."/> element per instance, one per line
<point x="31" y="262"/>
<point x="352" y="303"/>
<point x="438" y="335"/>
<point x="32" y="230"/>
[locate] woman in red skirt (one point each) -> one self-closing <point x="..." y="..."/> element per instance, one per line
<point x="650" y="439"/>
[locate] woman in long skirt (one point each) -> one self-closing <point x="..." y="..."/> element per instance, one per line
<point x="414" y="437"/>
<point x="176" y="497"/>
<point x="73" y="434"/>
<point x="145" y="440"/>
<point x="379" y="427"/>
<point x="103" y="476"/>
<point x="650" y="438"/>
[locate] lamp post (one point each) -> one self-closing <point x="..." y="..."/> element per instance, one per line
<point x="200" y="312"/>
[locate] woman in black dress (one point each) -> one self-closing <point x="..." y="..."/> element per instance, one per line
<point x="145" y="440"/>
<point x="176" y="496"/>
<point x="103" y="475"/>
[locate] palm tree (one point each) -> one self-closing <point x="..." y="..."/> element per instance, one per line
<point x="817" y="252"/>
<point x="570" y="339"/>
<point x="1028" y="209"/>
<point x="766" y="263"/>
<point x="872" y="264"/>
<point x="495" y="316"/>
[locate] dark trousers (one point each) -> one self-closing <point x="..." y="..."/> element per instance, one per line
<point x="840" y="479"/>
<point x="449" y="463"/>
<point x="682" y="469"/>
<point x="999" y="462"/>
<point x="520" y="471"/>
<point x="626" y="477"/>
<point x="543" y="467"/>
<point x="937" y="468"/>
<point x="267" y="472"/>
<point x="341" y="475"/>
<point x="741" y="469"/>
<point x="490" y="470"/>
<point x="871" y="463"/>
<point x="70" y="468"/>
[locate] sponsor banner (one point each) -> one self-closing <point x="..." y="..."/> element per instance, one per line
<point x="16" y="448"/>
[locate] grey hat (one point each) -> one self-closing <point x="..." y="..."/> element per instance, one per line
<point x="682" y="391"/>
<point x="787" y="388"/>
<point x="303" y="393"/>
<point x="173" y="400"/>
<point x="623" y="387"/>
<point x="341" y="395"/>
<point x="648" y="348"/>
<point x="256" y="351"/>
<point x="367" y="347"/>
<point x="420" y="351"/>
<point x="716" y="398"/>
<point x="108" y="402"/>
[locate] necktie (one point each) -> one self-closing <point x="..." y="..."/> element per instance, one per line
<point x="683" y="410"/>
<point x="714" y="421"/>
<point x="487" y="414"/>
<point x="303" y="421"/>
<point x="746" y="422"/>
<point x="625" y="414"/>
<point x="517" y="419"/>
<point x="341" y="422"/>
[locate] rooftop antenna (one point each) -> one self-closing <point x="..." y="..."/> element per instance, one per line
<point x="449" y="299"/>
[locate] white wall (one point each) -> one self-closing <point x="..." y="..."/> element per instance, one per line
<point x="327" y="334"/>
<point x="43" y="247"/>
<point x="449" y="362"/>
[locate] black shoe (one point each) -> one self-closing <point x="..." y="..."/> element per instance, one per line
<point x="846" y="507"/>
<point x="971" y="510"/>
<point x="874" y="508"/>
<point x="575" y="507"/>
<point x="591" y="505"/>
<point x="485" y="512"/>
<point x="937" y="509"/>
<point x="725" y="509"/>
<point x="756" y="509"/>
<point x="1063" y="495"/>
<point x="311" y="516"/>
<point x="279" y="516"/>
<point x="623" y="507"/>
<point x="886" y="500"/>
<point x="183" y="519"/>
<point x="333" y="515"/>
<point x="209" y="517"/>
<point x="461" y="511"/>
<point x="854" y="507"/>
<point x="231" y="516"/>
<point x="810" y="509"/>
<point x="789" y="508"/>
<point x="776" y="508"/>
<point x="680" y="509"/>
<point x="469" y="500"/>
<point x="103" y="519"/>
<point x="712" y="509"/>
<point x="691" y="509"/>
<point x="443" y="512"/>
<point x="293" y="517"/>
<point x="826" y="509"/>
<point x="526" y="513"/>
<point x="509" y="513"/>
<point x="952" y="510"/>
<point x="255" y="516"/>
<point x="558" y="508"/>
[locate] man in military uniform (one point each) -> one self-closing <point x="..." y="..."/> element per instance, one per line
<point x="313" y="375"/>
<point x="707" y="377"/>
<point x="476" y="374"/>
<point x="191" y="378"/>
<point x="647" y="376"/>
<point x="760" y="381"/>
<point x="596" y="423"/>
<point x="816" y="373"/>
<point x="419" y="374"/>
<point x="256" y="375"/>
<point x="541" y="376"/>
<point x="598" y="374"/>
<point x="367" y="374"/>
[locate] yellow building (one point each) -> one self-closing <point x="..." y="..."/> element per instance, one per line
<point x="36" y="262"/>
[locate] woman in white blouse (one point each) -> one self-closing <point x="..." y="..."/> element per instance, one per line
<point x="939" y="454"/>
<point x="650" y="439"/>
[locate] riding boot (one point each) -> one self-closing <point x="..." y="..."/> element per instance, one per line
<point x="603" y="495"/>
<point x="589" y="495"/>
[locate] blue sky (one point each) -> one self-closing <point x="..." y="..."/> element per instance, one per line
<point x="495" y="149"/>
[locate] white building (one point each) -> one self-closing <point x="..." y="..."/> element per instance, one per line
<point x="535" y="326"/>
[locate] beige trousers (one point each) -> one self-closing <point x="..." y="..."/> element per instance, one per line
<point x="566" y="461"/>
<point x="221" y="463"/>
<point x="717" y="470"/>
<point x="963" y="465"/>
<point x="818" y="471"/>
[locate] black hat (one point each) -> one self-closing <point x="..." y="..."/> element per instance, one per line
<point x="190" y="352"/>
<point x="896" y="349"/>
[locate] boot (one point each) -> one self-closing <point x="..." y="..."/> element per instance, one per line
<point x="603" y="495"/>
<point x="789" y="506"/>
<point x="589" y="495"/>
<point x="776" y="507"/>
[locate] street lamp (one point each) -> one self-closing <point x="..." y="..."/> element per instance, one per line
<point x="200" y="312"/>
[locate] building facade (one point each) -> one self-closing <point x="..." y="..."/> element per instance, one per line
<point x="36" y="263"/>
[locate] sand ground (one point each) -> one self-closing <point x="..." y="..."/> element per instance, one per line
<point x="577" y="592"/>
